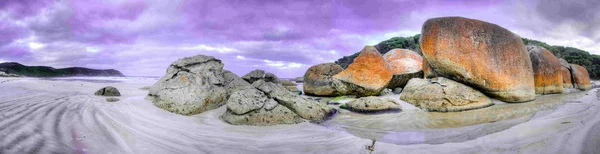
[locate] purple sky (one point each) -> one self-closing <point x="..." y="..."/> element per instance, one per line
<point x="141" y="38"/>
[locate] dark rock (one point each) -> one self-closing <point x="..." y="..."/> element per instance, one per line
<point x="108" y="91"/>
<point x="318" y="79"/>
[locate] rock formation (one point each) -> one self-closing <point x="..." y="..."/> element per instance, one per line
<point x="405" y="65"/>
<point x="581" y="77"/>
<point x="305" y="108"/>
<point x="567" y="72"/>
<point x="266" y="103"/>
<point x="318" y="79"/>
<point x="257" y="74"/>
<point x="548" y="76"/>
<point x="108" y="91"/>
<point x="443" y="95"/>
<point x="190" y="86"/>
<point x="366" y="76"/>
<point x="372" y="104"/>
<point x="480" y="54"/>
<point x="253" y="107"/>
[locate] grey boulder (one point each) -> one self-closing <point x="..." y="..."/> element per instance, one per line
<point x="305" y="108"/>
<point x="108" y="91"/>
<point x="443" y="95"/>
<point x="372" y="104"/>
<point x="257" y="74"/>
<point x="190" y="86"/>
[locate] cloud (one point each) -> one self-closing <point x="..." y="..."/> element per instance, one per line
<point x="142" y="38"/>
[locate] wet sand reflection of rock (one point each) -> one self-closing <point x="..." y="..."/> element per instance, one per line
<point x="418" y="127"/>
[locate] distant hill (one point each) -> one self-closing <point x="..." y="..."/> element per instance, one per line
<point x="572" y="55"/>
<point x="45" y="71"/>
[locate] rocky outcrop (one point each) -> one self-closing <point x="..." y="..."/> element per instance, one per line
<point x="567" y="80"/>
<point x="443" y="95"/>
<point x="318" y="79"/>
<point x="293" y="89"/>
<point x="267" y="103"/>
<point x="404" y="65"/>
<point x="234" y="83"/>
<point x="480" y="54"/>
<point x="108" y="91"/>
<point x="366" y="76"/>
<point x="581" y="77"/>
<point x="305" y="108"/>
<point x="257" y="74"/>
<point x="253" y="107"/>
<point x="547" y="73"/>
<point x="372" y="104"/>
<point x="190" y="86"/>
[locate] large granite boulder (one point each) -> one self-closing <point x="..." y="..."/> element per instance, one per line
<point x="443" y="95"/>
<point x="366" y="76"/>
<point x="108" y="91"/>
<point x="581" y="77"/>
<point x="405" y="65"/>
<point x="253" y="107"/>
<point x="191" y="85"/>
<point x="372" y="104"/>
<point x="318" y="79"/>
<point x="567" y="80"/>
<point x="480" y="54"/>
<point x="305" y="108"/>
<point x="547" y="74"/>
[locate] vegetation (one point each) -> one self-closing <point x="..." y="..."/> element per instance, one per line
<point x="572" y="55"/>
<point x="44" y="71"/>
<point x="411" y="42"/>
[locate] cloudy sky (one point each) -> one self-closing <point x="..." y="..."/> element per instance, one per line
<point x="141" y="38"/>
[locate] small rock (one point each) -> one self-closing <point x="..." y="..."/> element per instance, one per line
<point x="372" y="104"/>
<point x="386" y="91"/>
<point x="108" y="91"/>
<point x="288" y="83"/>
<point x="397" y="90"/>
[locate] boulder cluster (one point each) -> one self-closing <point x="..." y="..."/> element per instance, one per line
<point x="466" y="60"/>
<point x="197" y="84"/>
<point x="462" y="64"/>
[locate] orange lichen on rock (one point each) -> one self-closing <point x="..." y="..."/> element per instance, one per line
<point x="581" y="77"/>
<point x="567" y="80"/>
<point x="547" y="71"/>
<point x="480" y="54"/>
<point x="366" y="76"/>
<point x="405" y="65"/>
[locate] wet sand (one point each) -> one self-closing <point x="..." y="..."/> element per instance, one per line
<point x="63" y="116"/>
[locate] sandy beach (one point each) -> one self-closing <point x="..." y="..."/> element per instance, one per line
<point x="62" y="115"/>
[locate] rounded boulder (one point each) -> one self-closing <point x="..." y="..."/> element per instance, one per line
<point x="548" y="76"/>
<point x="480" y="54"/>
